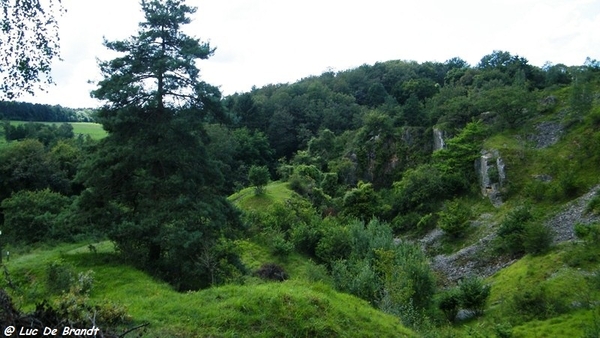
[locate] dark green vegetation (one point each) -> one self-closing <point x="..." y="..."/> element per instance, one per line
<point x="30" y="42"/>
<point x="456" y="200"/>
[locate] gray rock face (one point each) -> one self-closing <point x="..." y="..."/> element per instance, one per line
<point x="438" y="139"/>
<point x="476" y="258"/>
<point x="492" y="175"/>
<point x="563" y="223"/>
<point x="473" y="260"/>
<point x="548" y="134"/>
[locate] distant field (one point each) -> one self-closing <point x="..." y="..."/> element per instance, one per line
<point x="86" y="128"/>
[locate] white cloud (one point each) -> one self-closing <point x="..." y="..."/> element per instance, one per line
<point x="268" y="41"/>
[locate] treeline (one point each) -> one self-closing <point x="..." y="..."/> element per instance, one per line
<point x="25" y="111"/>
<point x="377" y="120"/>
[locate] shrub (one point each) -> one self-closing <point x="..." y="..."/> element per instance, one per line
<point x="474" y="294"/>
<point x="335" y="244"/>
<point x="272" y="271"/>
<point x="259" y="178"/>
<point x="305" y="237"/>
<point x="32" y="216"/>
<point x="537" y="239"/>
<point x="279" y="245"/>
<point x="357" y="278"/>
<point x="59" y="277"/>
<point x="535" y="302"/>
<point x="512" y="231"/>
<point x="593" y="206"/>
<point x="449" y="302"/>
<point x="454" y="219"/>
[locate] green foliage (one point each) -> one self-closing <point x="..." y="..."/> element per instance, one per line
<point x="33" y="216"/>
<point x="151" y="185"/>
<point x="474" y="294"/>
<point x="59" y="277"/>
<point x="279" y="245"/>
<point x="259" y="178"/>
<point x="335" y="244"/>
<point x="511" y="232"/>
<point x="454" y="219"/>
<point x="537" y="238"/>
<point x="536" y="302"/>
<point x="26" y="165"/>
<point x="449" y="302"/>
<point x="461" y="151"/>
<point x="588" y="252"/>
<point x="362" y="202"/>
<point x="30" y="43"/>
<point x="593" y="206"/>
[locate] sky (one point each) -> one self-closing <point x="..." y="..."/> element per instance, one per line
<point x="260" y="42"/>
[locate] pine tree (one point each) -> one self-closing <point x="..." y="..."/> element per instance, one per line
<point x="150" y="183"/>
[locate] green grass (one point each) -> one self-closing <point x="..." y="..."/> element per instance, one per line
<point x="95" y="130"/>
<point x="274" y="192"/>
<point x="293" y="308"/>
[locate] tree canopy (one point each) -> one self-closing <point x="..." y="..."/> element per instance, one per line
<point x="28" y="44"/>
<point x="151" y="184"/>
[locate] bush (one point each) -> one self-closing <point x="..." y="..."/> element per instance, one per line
<point x="511" y="232"/>
<point x="537" y="239"/>
<point x="272" y="271"/>
<point x="454" y="219"/>
<point x="474" y="294"/>
<point x="59" y="277"/>
<point x="535" y="302"/>
<point x="259" y="178"/>
<point x="449" y="302"/>
<point x="31" y="216"/>
<point x="593" y="206"/>
<point x="279" y="245"/>
<point x="335" y="244"/>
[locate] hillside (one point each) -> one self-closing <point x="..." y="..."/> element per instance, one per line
<point x="450" y="199"/>
<point x="250" y="308"/>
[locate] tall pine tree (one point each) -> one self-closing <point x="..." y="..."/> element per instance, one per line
<point x="150" y="183"/>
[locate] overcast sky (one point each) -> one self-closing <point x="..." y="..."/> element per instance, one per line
<point x="268" y="41"/>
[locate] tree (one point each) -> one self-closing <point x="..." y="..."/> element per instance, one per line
<point x="151" y="184"/>
<point x="28" y="44"/>
<point x="258" y="177"/>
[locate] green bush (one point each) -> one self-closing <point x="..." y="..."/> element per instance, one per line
<point x="593" y="206"/>
<point x="474" y="294"/>
<point x="335" y="244"/>
<point x="357" y="278"/>
<point x="454" y="219"/>
<point x="279" y="245"/>
<point x="32" y="216"/>
<point x="536" y="302"/>
<point x="587" y="252"/>
<point x="259" y="178"/>
<point x="59" y="277"/>
<point x="511" y="232"/>
<point x="449" y="302"/>
<point x="537" y="239"/>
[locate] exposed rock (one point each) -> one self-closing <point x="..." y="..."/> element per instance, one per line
<point x="438" y="139"/>
<point x="563" y="223"/>
<point x="543" y="178"/>
<point x="491" y="170"/>
<point x="476" y="259"/>
<point x="548" y="134"/>
<point x="473" y="260"/>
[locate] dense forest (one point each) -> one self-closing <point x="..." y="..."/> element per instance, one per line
<point x="24" y="111"/>
<point x="382" y="169"/>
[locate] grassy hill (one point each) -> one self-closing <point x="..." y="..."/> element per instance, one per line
<point x="95" y="130"/>
<point x="294" y="308"/>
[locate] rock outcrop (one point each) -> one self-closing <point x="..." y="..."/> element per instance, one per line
<point x="491" y="171"/>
